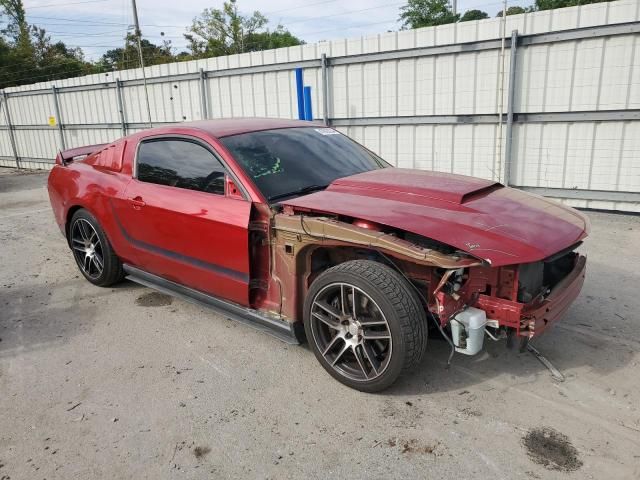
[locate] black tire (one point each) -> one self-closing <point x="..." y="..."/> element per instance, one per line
<point x="112" y="271"/>
<point x="383" y="289"/>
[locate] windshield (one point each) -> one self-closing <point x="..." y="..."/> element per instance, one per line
<point x="293" y="161"/>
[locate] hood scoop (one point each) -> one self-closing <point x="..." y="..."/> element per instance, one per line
<point x="433" y="185"/>
<point x="501" y="225"/>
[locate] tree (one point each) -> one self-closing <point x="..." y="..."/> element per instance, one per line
<point x="226" y="32"/>
<point x="426" y="13"/>
<point x="515" y="11"/>
<point x="18" y="40"/>
<point x="56" y="60"/>
<point x="429" y="13"/>
<point x="474" y="15"/>
<point x="551" y="4"/>
<point x="17" y="28"/>
<point x="277" y="38"/>
<point x="27" y="54"/>
<point x="128" y="56"/>
<point x="5" y="55"/>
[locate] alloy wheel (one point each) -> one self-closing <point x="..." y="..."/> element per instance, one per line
<point x="351" y="332"/>
<point x="87" y="248"/>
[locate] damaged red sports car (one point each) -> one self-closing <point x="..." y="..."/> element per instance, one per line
<point x="298" y="230"/>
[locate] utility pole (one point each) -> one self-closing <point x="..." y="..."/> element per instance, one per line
<point x="454" y="6"/>
<point x="235" y="15"/>
<point x="500" y="99"/>
<point x="138" y="34"/>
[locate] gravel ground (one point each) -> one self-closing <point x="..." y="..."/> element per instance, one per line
<point x="126" y="383"/>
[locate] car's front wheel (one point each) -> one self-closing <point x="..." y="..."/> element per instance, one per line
<point x="92" y="251"/>
<point x="365" y="324"/>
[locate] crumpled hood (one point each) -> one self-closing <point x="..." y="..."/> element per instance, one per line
<point x="498" y="224"/>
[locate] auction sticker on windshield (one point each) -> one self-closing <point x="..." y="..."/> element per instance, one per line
<point x="326" y="131"/>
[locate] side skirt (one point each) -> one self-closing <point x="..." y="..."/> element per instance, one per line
<point x="284" y="331"/>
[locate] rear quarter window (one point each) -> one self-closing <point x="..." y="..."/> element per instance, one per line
<point x="109" y="158"/>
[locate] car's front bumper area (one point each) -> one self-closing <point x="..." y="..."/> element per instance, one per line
<point x="532" y="319"/>
<point x="539" y="317"/>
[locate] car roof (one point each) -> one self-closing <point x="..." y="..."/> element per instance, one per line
<point x="233" y="126"/>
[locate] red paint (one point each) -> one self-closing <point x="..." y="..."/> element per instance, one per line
<point x="78" y="152"/>
<point x="541" y="316"/>
<point x="501" y="225"/>
<point x="367" y="225"/>
<point x="145" y="221"/>
<point x="507" y="312"/>
<point x="219" y="243"/>
<point x="209" y="228"/>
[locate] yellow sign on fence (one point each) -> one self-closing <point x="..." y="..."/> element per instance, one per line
<point x="52" y="121"/>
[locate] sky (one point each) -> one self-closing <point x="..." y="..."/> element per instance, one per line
<point x="99" y="25"/>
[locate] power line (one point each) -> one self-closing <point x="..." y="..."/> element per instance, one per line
<point x="301" y="6"/>
<point x="76" y="20"/>
<point x="48" y="5"/>
<point x="97" y="22"/>
<point x="71" y="34"/>
<point x="346" y="13"/>
<point x="150" y="47"/>
<point x="83" y="34"/>
<point x="77" y="70"/>
<point x="352" y="26"/>
<point x="64" y="62"/>
<point x="73" y="70"/>
<point x="15" y="72"/>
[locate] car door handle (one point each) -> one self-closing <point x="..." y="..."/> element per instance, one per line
<point x="137" y="202"/>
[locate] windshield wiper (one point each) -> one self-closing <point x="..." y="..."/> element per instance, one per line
<point x="300" y="191"/>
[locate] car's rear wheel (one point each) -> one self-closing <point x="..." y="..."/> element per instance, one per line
<point x="92" y="251"/>
<point x="365" y="324"/>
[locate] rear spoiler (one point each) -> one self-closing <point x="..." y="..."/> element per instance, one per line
<point x="65" y="156"/>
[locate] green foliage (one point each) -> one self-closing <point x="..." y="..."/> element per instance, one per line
<point x="426" y="13"/>
<point x="277" y="38"/>
<point x="226" y="32"/>
<point x="128" y="56"/>
<point x="551" y="4"/>
<point x="27" y="54"/>
<point x="473" y="15"/>
<point x="17" y="29"/>
<point x="515" y="11"/>
<point x="429" y="13"/>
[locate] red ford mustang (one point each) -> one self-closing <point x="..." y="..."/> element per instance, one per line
<point x="302" y="232"/>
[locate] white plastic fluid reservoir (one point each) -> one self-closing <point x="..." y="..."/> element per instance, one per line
<point x="467" y="330"/>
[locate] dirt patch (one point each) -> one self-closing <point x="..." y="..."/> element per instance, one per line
<point x="412" y="446"/>
<point x="154" y="299"/>
<point x="551" y="449"/>
<point x="469" y="412"/>
<point x="201" y="451"/>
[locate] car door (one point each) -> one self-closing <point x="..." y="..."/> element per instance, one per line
<point x="176" y="216"/>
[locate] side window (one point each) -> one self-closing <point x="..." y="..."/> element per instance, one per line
<point x="181" y="164"/>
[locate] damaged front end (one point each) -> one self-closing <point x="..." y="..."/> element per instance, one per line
<point x="516" y="301"/>
<point x="460" y="291"/>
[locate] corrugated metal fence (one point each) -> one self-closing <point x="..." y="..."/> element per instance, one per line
<point x="556" y="111"/>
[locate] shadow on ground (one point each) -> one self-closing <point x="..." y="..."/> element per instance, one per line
<point x="34" y="317"/>
<point x="598" y="331"/>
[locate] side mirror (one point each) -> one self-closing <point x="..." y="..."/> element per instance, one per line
<point x="231" y="189"/>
